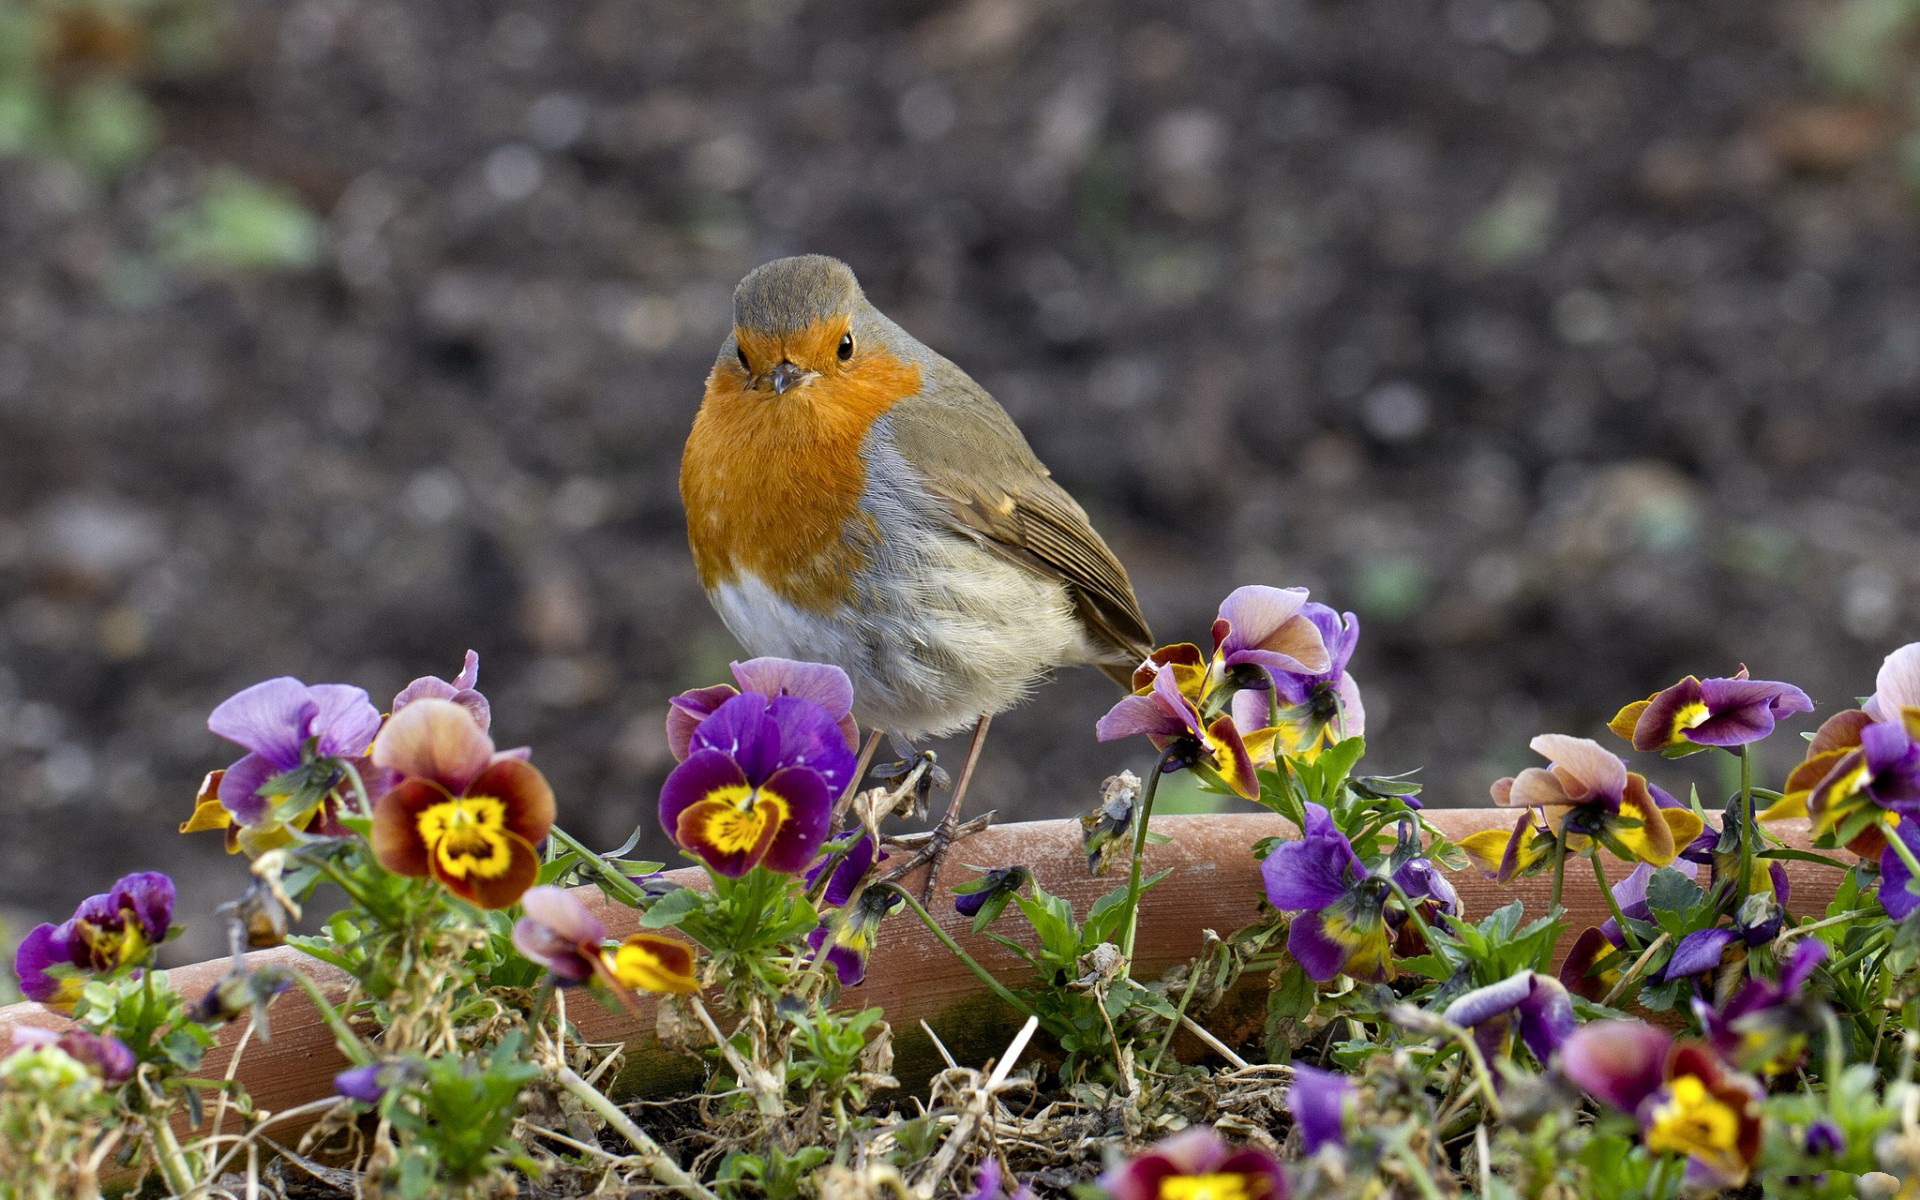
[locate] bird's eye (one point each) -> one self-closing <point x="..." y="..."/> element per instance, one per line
<point x="742" y="355"/>
<point x="846" y="347"/>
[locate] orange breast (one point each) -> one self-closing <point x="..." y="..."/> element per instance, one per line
<point x="772" y="483"/>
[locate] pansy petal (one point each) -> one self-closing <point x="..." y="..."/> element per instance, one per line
<point x="268" y="718"/>
<point x="821" y="683"/>
<point x="655" y="963"/>
<point x="686" y="711"/>
<point x="704" y="774"/>
<point x="1312" y="872"/>
<point x="741" y="730"/>
<point x="1699" y="951"/>
<point x="1586" y="760"/>
<point x="497" y="887"/>
<point x="1619" y="1063"/>
<point x="1897" y="686"/>
<point x="344" y="718"/>
<point x="397" y="843"/>
<point x="1231" y="759"/>
<point x="240" y="788"/>
<point x="1319" y="956"/>
<point x="1318" y="1101"/>
<point x="436" y="740"/>
<point x="524" y="792"/>
<point x="808" y="804"/>
<point x="561" y="911"/>
<point x="1138" y="714"/>
<point x="811" y="737"/>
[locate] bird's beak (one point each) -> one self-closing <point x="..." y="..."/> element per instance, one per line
<point x="784" y="376"/>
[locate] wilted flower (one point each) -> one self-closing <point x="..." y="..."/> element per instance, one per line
<point x="107" y="932"/>
<point x="242" y="991"/>
<point x="1318" y="1101"/>
<point x="653" y="962"/>
<point x="462" y="690"/>
<point x="758" y="786"/>
<point x="1534" y="1006"/>
<point x="1343" y="927"/>
<point x="995" y="887"/>
<point x="461" y="813"/>
<point x="291" y="779"/>
<point x="1697" y="713"/>
<point x="848" y="937"/>
<point x="1196" y="1163"/>
<point x="1112" y="822"/>
<point x="1585" y="794"/>
<point x="818" y="683"/>
<point x="1685" y="1099"/>
<point x="102" y="1053"/>
<point x="1172" y="722"/>
<point x="560" y="934"/>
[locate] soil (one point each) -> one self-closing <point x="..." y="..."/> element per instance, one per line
<point x="1574" y="348"/>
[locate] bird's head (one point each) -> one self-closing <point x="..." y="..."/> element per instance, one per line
<point x="796" y="320"/>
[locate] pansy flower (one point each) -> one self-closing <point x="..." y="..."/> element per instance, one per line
<point x="102" y="1053"/>
<point x="1343" y="927"/>
<point x="1532" y="1006"/>
<point x="1685" y="1099"/>
<point x="462" y="689"/>
<point x="463" y="814"/>
<point x="653" y="962"/>
<point x="758" y="785"/>
<point x="1267" y="628"/>
<point x="560" y="934"/>
<point x="1765" y="1025"/>
<point x="1695" y="714"/>
<point x="1169" y="719"/>
<point x="290" y="779"/>
<point x="1758" y="922"/>
<point x="1318" y="1101"/>
<point x="1316" y="708"/>
<point x="1196" y="1163"/>
<point x="822" y="684"/>
<point x="108" y="932"/>
<point x="1856" y="770"/>
<point x="1585" y="794"/>
<point x="996" y="888"/>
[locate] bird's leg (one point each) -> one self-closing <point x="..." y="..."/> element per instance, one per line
<point x="934" y="853"/>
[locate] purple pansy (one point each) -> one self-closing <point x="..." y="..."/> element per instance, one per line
<point x="285" y="725"/>
<point x="1318" y="1101"/>
<point x="361" y="1083"/>
<point x="998" y="884"/>
<point x="107" y="932"/>
<point x="758" y="785"/>
<point x="462" y="689"/>
<point x="987" y="1185"/>
<point x="1200" y="1154"/>
<point x="102" y="1053"/>
<point x="1709" y="712"/>
<point x="1896" y="895"/>
<point x="1343" y="926"/>
<point x="821" y="684"/>
<point x="1534" y="1006"/>
<point x="1168" y="718"/>
<point x="1764" y="1026"/>
<point x="1268" y="627"/>
<point x="560" y="934"/>
<point x="1316" y="707"/>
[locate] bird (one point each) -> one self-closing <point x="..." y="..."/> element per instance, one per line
<point x="853" y="497"/>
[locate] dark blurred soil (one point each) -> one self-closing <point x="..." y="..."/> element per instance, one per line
<point x="1573" y="346"/>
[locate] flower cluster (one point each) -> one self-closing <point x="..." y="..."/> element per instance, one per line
<point x="113" y="931"/>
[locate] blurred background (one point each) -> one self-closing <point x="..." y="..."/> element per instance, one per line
<point x="1574" y="346"/>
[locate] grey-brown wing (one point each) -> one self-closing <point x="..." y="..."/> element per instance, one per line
<point x="1001" y="494"/>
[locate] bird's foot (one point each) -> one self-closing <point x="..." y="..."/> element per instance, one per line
<point x="929" y="849"/>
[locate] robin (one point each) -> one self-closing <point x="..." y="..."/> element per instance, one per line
<point x="854" y="498"/>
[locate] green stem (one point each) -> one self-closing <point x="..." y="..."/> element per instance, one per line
<point x="1613" y="902"/>
<point x="946" y="939"/>
<point x="342" y="880"/>
<point x="1744" y="884"/>
<point x="1559" y="868"/>
<point x="350" y="1042"/>
<point x="613" y="881"/>
<point x="169" y="1156"/>
<point x="1140" y="818"/>
<point x="659" y="1163"/>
